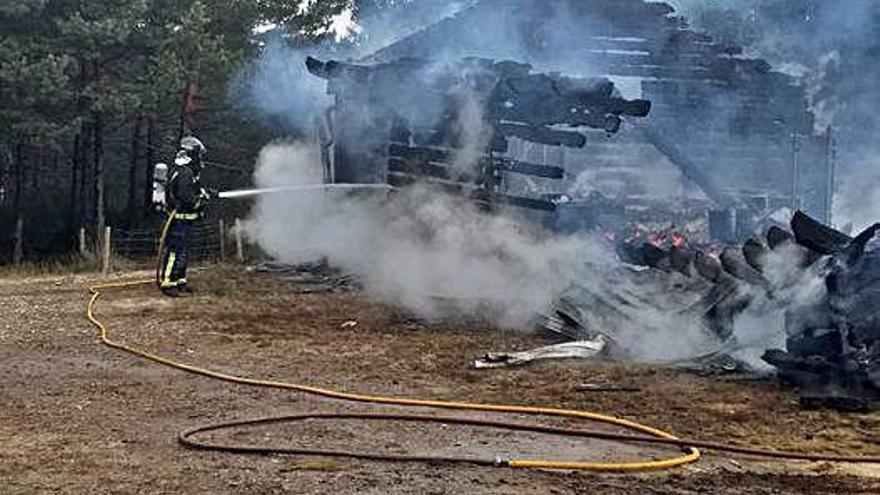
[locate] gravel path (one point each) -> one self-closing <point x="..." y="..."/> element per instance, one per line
<point x="78" y="418"/>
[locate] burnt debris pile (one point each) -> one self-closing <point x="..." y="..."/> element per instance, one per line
<point x="832" y="336"/>
<point x="833" y="347"/>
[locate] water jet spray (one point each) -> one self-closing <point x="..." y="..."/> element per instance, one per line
<point x="247" y="193"/>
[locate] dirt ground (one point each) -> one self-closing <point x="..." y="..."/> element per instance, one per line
<point x="76" y="417"/>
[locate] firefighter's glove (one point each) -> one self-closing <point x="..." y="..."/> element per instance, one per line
<point x="208" y="194"/>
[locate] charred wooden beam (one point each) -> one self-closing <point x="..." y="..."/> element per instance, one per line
<point x="817" y="236"/>
<point x="656" y="257"/>
<point x="755" y="254"/>
<point x="777" y="238"/>
<point x="681" y="260"/>
<point x="542" y="100"/>
<point x="400" y="179"/>
<point x="426" y="169"/>
<point x="523" y="202"/>
<point x="526" y="168"/>
<point x="544" y="135"/>
<point x="734" y="263"/>
<point x="708" y="267"/>
<point x="438" y="162"/>
<point x="421" y="154"/>
<point x="691" y="170"/>
<point x="856" y="248"/>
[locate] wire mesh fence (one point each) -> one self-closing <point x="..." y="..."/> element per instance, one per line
<point x="207" y="242"/>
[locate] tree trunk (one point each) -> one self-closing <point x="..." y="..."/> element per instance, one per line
<point x="134" y="213"/>
<point x="34" y="169"/>
<point x="100" y="220"/>
<point x="151" y="162"/>
<point x="77" y="188"/>
<point x="73" y="219"/>
<point x="19" y="172"/>
<point x="187" y="111"/>
<point x="18" y="248"/>
<point x="84" y="192"/>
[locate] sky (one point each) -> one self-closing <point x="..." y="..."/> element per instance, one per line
<point x="342" y="25"/>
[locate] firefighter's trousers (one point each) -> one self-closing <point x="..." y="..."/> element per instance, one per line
<point x="174" y="254"/>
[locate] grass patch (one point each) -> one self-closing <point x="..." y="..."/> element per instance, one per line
<point x="54" y="266"/>
<point x="66" y="265"/>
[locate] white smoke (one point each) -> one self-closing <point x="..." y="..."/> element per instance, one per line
<point x="279" y="87"/>
<point x="474" y="133"/>
<point x="832" y="48"/>
<point x="277" y="84"/>
<point x="439" y="257"/>
<point x="431" y="253"/>
<point x="857" y="202"/>
<point x="768" y="319"/>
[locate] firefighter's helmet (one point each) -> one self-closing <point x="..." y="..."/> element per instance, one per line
<point x="193" y="147"/>
<point x="191" y="152"/>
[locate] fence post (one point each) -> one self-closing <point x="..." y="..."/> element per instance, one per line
<point x="222" y="241"/>
<point x="105" y="252"/>
<point x="83" y="248"/>
<point x="239" y="244"/>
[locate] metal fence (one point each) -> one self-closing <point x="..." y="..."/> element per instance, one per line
<point x="207" y="242"/>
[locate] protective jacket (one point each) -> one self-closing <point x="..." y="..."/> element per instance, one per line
<point x="186" y="195"/>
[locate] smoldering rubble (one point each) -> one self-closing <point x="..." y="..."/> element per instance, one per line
<point x="805" y="296"/>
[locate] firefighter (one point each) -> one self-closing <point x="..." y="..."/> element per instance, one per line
<point x="185" y="202"/>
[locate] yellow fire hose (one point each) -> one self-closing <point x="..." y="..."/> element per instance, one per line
<point x="691" y="455"/>
<point x="648" y="434"/>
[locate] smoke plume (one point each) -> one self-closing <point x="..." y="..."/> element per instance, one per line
<point x="279" y="88"/>
<point x="434" y="254"/>
<point x="833" y="48"/>
<point x="794" y="304"/>
<point x="440" y="257"/>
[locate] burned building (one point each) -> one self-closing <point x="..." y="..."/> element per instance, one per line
<point x="724" y="130"/>
<point x="450" y="123"/>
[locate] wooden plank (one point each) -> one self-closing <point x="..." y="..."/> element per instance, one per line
<point x="438" y="171"/>
<point x="400" y="179"/>
<point x="526" y="168"/>
<point x="421" y="153"/>
<point x="422" y="162"/>
<point x="397" y="179"/>
<point x="523" y="202"/>
<point x="543" y="135"/>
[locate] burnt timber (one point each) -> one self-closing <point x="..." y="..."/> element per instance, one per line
<point x="739" y="130"/>
<point x="414" y="121"/>
<point x="832" y="341"/>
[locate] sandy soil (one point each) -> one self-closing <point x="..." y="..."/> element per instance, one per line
<point x="76" y="417"/>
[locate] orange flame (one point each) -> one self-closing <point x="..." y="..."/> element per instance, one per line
<point x="678" y="239"/>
